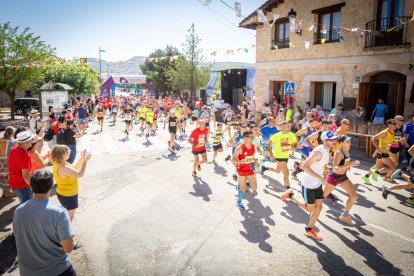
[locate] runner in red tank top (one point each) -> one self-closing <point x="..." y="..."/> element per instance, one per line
<point x="243" y="159"/>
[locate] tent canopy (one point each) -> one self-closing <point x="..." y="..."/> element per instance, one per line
<point x="54" y="86"/>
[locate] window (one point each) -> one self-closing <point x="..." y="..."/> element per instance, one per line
<point x="325" y="94"/>
<point x="282" y="34"/>
<point x="388" y="11"/>
<point x="329" y="23"/>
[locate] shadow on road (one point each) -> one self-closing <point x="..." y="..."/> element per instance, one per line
<point x="373" y="258"/>
<point x="331" y="263"/>
<point x="8" y="253"/>
<point x="256" y="231"/>
<point x="396" y="210"/>
<point x="201" y="189"/>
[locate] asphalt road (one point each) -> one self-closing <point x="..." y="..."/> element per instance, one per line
<point x="142" y="213"/>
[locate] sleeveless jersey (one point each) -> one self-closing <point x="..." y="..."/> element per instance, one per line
<point x="247" y="155"/>
<point x="384" y="143"/>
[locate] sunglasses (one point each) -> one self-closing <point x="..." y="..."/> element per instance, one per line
<point x="250" y="137"/>
<point x="394" y="124"/>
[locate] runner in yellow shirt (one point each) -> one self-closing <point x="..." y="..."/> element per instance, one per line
<point x="149" y="116"/>
<point x="282" y="144"/>
<point x="142" y="111"/>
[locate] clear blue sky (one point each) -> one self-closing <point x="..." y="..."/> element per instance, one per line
<point x="126" y="28"/>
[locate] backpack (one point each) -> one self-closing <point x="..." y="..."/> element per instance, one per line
<point x="49" y="134"/>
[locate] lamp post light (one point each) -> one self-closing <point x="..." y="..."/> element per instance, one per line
<point x="100" y="62"/>
<point x="292" y="14"/>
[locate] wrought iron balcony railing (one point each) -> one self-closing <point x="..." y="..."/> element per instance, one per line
<point x="387" y="31"/>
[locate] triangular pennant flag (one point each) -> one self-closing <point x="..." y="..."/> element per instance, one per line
<point x="354" y="29"/>
<point x="261" y="17"/>
<point x="213" y="54"/>
<point x="237" y="9"/>
<point x="323" y="40"/>
<point x="312" y="28"/>
<point x="246" y="50"/>
<point x="230" y="52"/>
<point x="291" y="45"/>
<point x="323" y="30"/>
<point x="253" y="45"/>
<point x="275" y="18"/>
<point x="299" y="28"/>
<point x="275" y="46"/>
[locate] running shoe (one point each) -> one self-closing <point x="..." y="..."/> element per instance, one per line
<point x="235" y="177"/>
<point x="312" y="233"/>
<point x="199" y="167"/>
<point x="374" y="175"/>
<point x="287" y="195"/>
<point x="366" y="180"/>
<point x="405" y="161"/>
<point x="227" y="158"/>
<point x="385" y="192"/>
<point x="410" y="200"/>
<point x="346" y="219"/>
<point x="240" y="205"/>
<point x="194" y="173"/>
<point x="214" y="161"/>
<point x="263" y="169"/>
<point x="331" y="197"/>
<point x="396" y="174"/>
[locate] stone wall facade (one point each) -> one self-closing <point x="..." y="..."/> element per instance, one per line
<point x="339" y="62"/>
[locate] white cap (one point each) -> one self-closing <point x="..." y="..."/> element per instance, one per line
<point x="24" y="136"/>
<point x="328" y="135"/>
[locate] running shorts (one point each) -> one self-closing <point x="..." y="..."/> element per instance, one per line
<point x="336" y="179"/>
<point x="282" y="159"/>
<point x="149" y="123"/>
<point x="193" y="118"/>
<point x="182" y="120"/>
<point x="382" y="155"/>
<point x="217" y="147"/>
<point x="68" y="202"/>
<point x="114" y="113"/>
<point x="305" y="151"/>
<point x="395" y="150"/>
<point x="141" y="118"/>
<point x="128" y="122"/>
<point x="99" y="119"/>
<point x="310" y="195"/>
<point x="199" y="152"/>
<point x="172" y="130"/>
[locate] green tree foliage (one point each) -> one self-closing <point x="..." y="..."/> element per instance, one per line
<point x="187" y="74"/>
<point x="78" y="75"/>
<point x="22" y="54"/>
<point x="156" y="72"/>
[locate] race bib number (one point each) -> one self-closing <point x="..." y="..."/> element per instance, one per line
<point x="201" y="141"/>
<point x="114" y="110"/>
<point x="397" y="139"/>
<point x="128" y="117"/>
<point x="172" y="124"/>
<point x="249" y="159"/>
<point x="347" y="161"/>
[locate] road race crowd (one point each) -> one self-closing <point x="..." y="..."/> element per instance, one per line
<point x="43" y="230"/>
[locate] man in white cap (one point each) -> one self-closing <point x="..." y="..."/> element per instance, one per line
<point x="36" y="125"/>
<point x="313" y="178"/>
<point x="20" y="166"/>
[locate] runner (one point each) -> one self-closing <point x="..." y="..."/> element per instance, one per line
<point x="172" y="129"/>
<point x="217" y="137"/>
<point x="398" y="140"/>
<point x="228" y="116"/>
<point x="198" y="139"/>
<point x="267" y="131"/>
<point x="142" y="111"/>
<point x="312" y="183"/>
<point x="129" y="112"/>
<point x="343" y="129"/>
<point x="213" y="111"/>
<point x="100" y="113"/>
<point x="194" y="116"/>
<point x="279" y="147"/>
<point x="337" y="176"/>
<point x="114" y="109"/>
<point x="382" y="142"/>
<point x="150" y="121"/>
<point x="243" y="159"/>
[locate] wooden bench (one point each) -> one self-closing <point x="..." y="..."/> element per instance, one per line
<point x="368" y="142"/>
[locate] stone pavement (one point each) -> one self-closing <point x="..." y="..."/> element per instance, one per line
<point x="142" y="213"/>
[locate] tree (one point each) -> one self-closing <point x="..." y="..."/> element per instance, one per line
<point x="187" y="74"/>
<point x="78" y="75"/>
<point x="156" y="71"/>
<point x="194" y="56"/>
<point x="22" y="54"/>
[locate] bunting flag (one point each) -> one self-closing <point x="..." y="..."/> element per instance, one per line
<point x="230" y="52"/>
<point x="323" y="41"/>
<point x="261" y="17"/>
<point x="275" y="18"/>
<point x="253" y="45"/>
<point x="341" y="37"/>
<point x="291" y="45"/>
<point x="237" y="9"/>
<point x="299" y="28"/>
<point x="323" y="30"/>
<point x="213" y="54"/>
<point x="239" y="50"/>
<point x="354" y="29"/>
<point x="245" y="50"/>
<point x="275" y="46"/>
<point x="307" y="44"/>
<point x="312" y="28"/>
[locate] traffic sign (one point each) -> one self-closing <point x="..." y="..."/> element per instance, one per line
<point x="289" y="88"/>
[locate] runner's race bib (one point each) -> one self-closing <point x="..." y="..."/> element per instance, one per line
<point x="249" y="159"/>
<point x="172" y="124"/>
<point x="115" y="110"/>
<point x="201" y="141"/>
<point x="128" y="117"/>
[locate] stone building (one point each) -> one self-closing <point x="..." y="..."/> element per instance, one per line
<point x="351" y="52"/>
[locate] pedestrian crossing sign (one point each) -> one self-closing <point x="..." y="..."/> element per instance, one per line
<point x="289" y="88"/>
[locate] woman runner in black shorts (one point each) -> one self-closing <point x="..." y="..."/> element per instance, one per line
<point x="172" y="128"/>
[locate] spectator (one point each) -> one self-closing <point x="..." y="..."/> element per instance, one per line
<point x="67" y="176"/>
<point x="361" y="114"/>
<point x="289" y="113"/>
<point x="298" y="115"/>
<point x="43" y="232"/>
<point x="280" y="119"/>
<point x="409" y="139"/>
<point x="8" y="136"/>
<point x="36" y="125"/>
<point x="334" y="120"/>
<point x="307" y="107"/>
<point x="339" y="111"/>
<point x="83" y="118"/>
<point x="378" y="115"/>
<point x="265" y="110"/>
<point x="38" y="161"/>
<point x="321" y="113"/>
<point x="20" y="166"/>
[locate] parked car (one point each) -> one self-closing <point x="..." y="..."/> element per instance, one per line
<point x="22" y="105"/>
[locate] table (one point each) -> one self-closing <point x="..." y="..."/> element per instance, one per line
<point x="368" y="142"/>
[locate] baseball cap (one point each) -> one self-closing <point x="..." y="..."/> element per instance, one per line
<point x="24" y="136"/>
<point x="344" y="138"/>
<point x="328" y="135"/>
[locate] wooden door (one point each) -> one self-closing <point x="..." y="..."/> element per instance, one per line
<point x="400" y="99"/>
<point x="365" y="97"/>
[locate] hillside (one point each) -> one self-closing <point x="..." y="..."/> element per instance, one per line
<point x="131" y="66"/>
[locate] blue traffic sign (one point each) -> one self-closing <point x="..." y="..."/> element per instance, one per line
<point x="289" y="88"/>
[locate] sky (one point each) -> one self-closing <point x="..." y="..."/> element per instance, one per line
<point x="127" y="28"/>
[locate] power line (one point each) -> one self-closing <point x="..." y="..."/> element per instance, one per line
<point x="213" y="11"/>
<point x="230" y="7"/>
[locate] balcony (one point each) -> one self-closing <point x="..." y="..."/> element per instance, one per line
<point x="387" y="32"/>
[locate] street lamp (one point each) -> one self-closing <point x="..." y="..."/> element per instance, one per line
<point x="292" y="14"/>
<point x="100" y="62"/>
